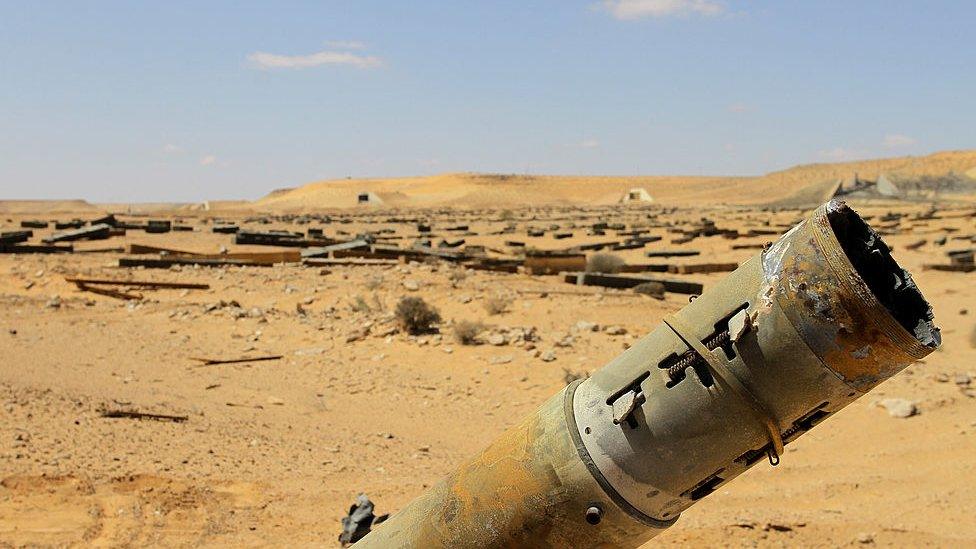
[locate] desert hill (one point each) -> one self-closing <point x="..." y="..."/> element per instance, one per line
<point x="482" y="190"/>
<point x="46" y="206"/>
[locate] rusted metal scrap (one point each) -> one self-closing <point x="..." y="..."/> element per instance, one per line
<point x="960" y="261"/>
<point x="15" y="237"/>
<point x="791" y="337"/>
<point x="167" y="262"/>
<point x="109" y="292"/>
<point x="35" y="249"/>
<point x="547" y="262"/>
<point x="139" y="283"/>
<point x="132" y="414"/>
<point x="702" y="268"/>
<point x="626" y="282"/>
<point x="215" y="361"/>
<point x="672" y="253"/>
<point x="100" y="231"/>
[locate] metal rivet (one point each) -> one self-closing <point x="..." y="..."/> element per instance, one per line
<point x="594" y="514"/>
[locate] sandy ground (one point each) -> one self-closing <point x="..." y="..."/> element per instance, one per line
<point x="273" y="453"/>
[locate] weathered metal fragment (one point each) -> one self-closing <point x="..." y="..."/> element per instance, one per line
<point x="626" y="282"/>
<point x="95" y="232"/>
<point x="791" y="337"/>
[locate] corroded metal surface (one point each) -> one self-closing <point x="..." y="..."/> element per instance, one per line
<point x="528" y="489"/>
<point x="791" y="337"/>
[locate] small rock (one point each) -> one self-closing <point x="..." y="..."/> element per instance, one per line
<point x="865" y="538"/>
<point x="54" y="302"/>
<point x="899" y="407"/>
<point x="411" y="285"/>
<point x="504" y="359"/>
<point x="585" y="326"/>
<point x="548" y="356"/>
<point x="273" y="400"/>
<point x="357" y="335"/>
<point x="962" y="380"/>
<point x="565" y="341"/>
<point x="496" y="339"/>
<point x="615" y="330"/>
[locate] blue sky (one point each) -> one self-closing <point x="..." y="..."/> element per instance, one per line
<point x="142" y="101"/>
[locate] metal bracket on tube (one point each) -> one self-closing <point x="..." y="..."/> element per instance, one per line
<point x="721" y="371"/>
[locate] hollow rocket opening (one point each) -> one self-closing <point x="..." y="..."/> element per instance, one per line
<point x="891" y="284"/>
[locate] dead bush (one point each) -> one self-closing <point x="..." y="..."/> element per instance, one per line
<point x="466" y="332"/>
<point x="604" y="263"/>
<point x="497" y="304"/>
<point x="415" y="316"/>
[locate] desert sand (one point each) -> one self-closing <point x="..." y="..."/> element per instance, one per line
<point x="272" y="453"/>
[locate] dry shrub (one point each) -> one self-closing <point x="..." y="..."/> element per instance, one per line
<point x="415" y="316"/>
<point x="466" y="332"/>
<point x="604" y="263"/>
<point x="497" y="304"/>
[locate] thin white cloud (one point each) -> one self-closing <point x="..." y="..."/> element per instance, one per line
<point x="208" y="160"/>
<point x="739" y="108"/>
<point x="170" y="148"/>
<point x="639" y="9"/>
<point x="346" y="44"/>
<point x="897" y="141"/>
<point x="264" y="60"/>
<point x="588" y="144"/>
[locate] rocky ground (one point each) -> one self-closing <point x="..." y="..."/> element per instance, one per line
<point x="274" y="452"/>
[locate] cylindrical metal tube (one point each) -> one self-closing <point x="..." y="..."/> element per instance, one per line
<point x="795" y="334"/>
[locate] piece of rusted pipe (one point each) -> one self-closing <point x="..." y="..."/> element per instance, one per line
<point x="799" y="332"/>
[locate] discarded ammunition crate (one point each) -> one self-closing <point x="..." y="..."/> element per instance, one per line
<point x="624" y="282"/>
<point x="278" y="238"/>
<point x="703" y="268"/>
<point x="95" y="232"/>
<point x="541" y="263"/>
<point x="15" y="237"/>
<point x="34" y="249"/>
<point x="672" y="253"/>
<point x="158" y="226"/>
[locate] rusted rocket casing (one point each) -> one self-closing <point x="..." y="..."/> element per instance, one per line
<point x="794" y="335"/>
